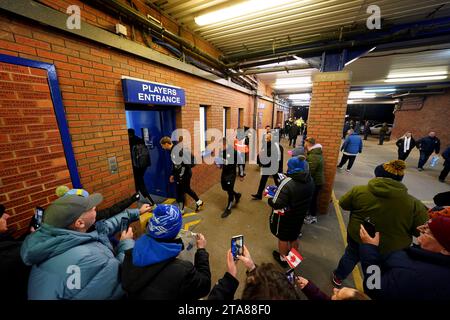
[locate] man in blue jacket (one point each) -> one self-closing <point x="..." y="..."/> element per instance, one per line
<point x="71" y="263"/>
<point x="415" y="273"/>
<point x="351" y="147"/>
<point x="427" y="145"/>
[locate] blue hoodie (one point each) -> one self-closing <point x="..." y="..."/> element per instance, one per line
<point x="352" y="144"/>
<point x="58" y="254"/>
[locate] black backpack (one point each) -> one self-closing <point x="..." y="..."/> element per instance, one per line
<point x="140" y="156"/>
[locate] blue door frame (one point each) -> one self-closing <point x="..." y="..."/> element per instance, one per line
<point x="58" y="107"/>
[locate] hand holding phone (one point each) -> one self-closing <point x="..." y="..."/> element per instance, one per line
<point x="124" y="224"/>
<point x="237" y="246"/>
<point x="291" y="276"/>
<point x="38" y="217"/>
<point x="369" y="226"/>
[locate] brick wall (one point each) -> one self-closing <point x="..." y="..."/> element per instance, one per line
<point x="325" y="123"/>
<point x="89" y="77"/>
<point x="434" y="116"/>
<point x="32" y="161"/>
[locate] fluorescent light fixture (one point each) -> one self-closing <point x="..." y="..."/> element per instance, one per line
<point x="238" y="10"/>
<point x="297" y="80"/>
<point x="353" y="60"/>
<point x="361" y="95"/>
<point x="406" y="74"/>
<point x="301" y="96"/>
<point x="412" y="79"/>
<point x="379" y="90"/>
<point x="351" y="101"/>
<point x="293" y="86"/>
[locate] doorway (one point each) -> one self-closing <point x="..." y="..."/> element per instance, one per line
<point x="151" y="126"/>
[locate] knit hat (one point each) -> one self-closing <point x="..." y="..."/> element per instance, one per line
<point x="394" y="169"/>
<point x="165" y="223"/>
<point x="440" y="228"/>
<point x="297" y="152"/>
<point x="68" y="208"/>
<point x="297" y="165"/>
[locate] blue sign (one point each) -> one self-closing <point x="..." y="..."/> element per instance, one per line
<point x="136" y="91"/>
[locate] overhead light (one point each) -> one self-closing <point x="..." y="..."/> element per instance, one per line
<point x="293" y="86"/>
<point x="353" y="60"/>
<point x="361" y="94"/>
<point x="239" y="10"/>
<point x="414" y="74"/>
<point x="301" y="96"/>
<point x="380" y="90"/>
<point x="412" y="79"/>
<point x="351" y="101"/>
<point x="297" y="80"/>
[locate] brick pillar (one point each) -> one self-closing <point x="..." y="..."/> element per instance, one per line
<point x="325" y="123"/>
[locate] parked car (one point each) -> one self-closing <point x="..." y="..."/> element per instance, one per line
<point x="375" y="129"/>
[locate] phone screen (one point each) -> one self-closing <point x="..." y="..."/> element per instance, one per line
<point x="370" y="227"/>
<point x="290" y="275"/>
<point x="124" y="223"/>
<point x="237" y="246"/>
<point x="38" y="215"/>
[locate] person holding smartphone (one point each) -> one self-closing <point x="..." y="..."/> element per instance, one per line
<point x="391" y="210"/>
<point x="152" y="271"/>
<point x="264" y="282"/>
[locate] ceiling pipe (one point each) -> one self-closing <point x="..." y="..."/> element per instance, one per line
<point x="268" y="70"/>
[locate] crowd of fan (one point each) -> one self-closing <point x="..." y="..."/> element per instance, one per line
<point x="79" y="253"/>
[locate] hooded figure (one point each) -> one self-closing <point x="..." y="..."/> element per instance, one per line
<point x="290" y="204"/>
<point x="152" y="271"/>
<point x="395" y="214"/>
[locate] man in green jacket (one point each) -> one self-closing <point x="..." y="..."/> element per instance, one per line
<point x="315" y="161"/>
<point x="395" y="214"/>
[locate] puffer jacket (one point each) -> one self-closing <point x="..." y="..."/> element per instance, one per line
<point x="395" y="213"/>
<point x="58" y="255"/>
<point x="315" y="161"/>
<point x="352" y="144"/>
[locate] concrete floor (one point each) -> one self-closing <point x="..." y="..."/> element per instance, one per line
<point x="322" y="243"/>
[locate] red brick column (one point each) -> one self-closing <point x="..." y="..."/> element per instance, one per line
<point x="325" y="123"/>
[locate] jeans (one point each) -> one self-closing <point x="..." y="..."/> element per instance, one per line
<point x="351" y="160"/>
<point x="424" y="156"/>
<point x="349" y="260"/>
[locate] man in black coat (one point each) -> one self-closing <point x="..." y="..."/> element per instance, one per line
<point x="290" y="205"/>
<point x="444" y="173"/>
<point x="294" y="131"/>
<point x="405" y="144"/>
<point x="152" y="271"/>
<point x="13" y="272"/>
<point x="230" y="161"/>
<point x="271" y="163"/>
<point x="415" y="273"/>
<point x="427" y="145"/>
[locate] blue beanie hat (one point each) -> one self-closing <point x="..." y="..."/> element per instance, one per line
<point x="297" y="165"/>
<point x="165" y="223"/>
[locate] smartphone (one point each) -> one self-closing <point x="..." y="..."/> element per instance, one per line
<point x="124" y="224"/>
<point x="290" y="276"/>
<point x="237" y="246"/>
<point x="38" y="216"/>
<point x="369" y="226"/>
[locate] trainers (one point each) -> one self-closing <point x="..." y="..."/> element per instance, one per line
<point x="420" y="169"/>
<point x="339" y="168"/>
<point x="300" y="235"/>
<point x="226" y="213"/>
<point x="237" y="198"/>
<point x="198" y="206"/>
<point x="256" y="197"/>
<point x="441" y="180"/>
<point x="348" y="170"/>
<point x="336" y="281"/>
<point x="310" y="220"/>
<point x="276" y="256"/>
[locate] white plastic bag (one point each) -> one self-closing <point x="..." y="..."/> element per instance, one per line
<point x="434" y="161"/>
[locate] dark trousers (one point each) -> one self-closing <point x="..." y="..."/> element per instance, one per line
<point x="349" y="260"/>
<point x="228" y="186"/>
<point x="366" y="134"/>
<point x="313" y="205"/>
<point x="292" y="141"/>
<point x="183" y="187"/>
<point x="402" y="155"/>
<point x="351" y="160"/>
<point x="381" y="139"/>
<point x="139" y="181"/>
<point x="424" y="156"/>
<point x="263" y="182"/>
<point x="444" y="172"/>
